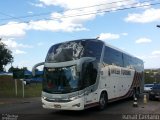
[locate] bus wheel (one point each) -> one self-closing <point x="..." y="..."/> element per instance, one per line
<point x="103" y="101"/>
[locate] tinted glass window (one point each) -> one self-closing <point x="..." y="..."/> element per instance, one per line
<point x="66" y="51"/>
<point x="112" y="56"/>
<point x="128" y="62"/>
<point x="61" y="80"/>
<point x="74" y="50"/>
<point x="93" y="49"/>
<point x="89" y="73"/>
<point x="133" y="62"/>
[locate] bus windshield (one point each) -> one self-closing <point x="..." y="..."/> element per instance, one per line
<point x="74" y="50"/>
<point x="61" y="80"/>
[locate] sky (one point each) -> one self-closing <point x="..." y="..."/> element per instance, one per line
<point x="30" y="27"/>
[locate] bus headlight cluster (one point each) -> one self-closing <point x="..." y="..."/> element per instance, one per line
<point x="44" y="97"/>
<point x="76" y="97"/>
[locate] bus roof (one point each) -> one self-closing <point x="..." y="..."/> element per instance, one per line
<point x="106" y="44"/>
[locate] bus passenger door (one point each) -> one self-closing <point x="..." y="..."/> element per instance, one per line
<point x="89" y="70"/>
<point x="105" y="81"/>
<point x="89" y="95"/>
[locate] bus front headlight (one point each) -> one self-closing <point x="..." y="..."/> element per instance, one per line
<point x="74" y="98"/>
<point x="44" y="98"/>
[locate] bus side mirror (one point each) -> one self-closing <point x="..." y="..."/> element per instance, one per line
<point x="35" y="66"/>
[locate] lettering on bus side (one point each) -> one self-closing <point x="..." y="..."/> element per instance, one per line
<point x="115" y="71"/>
<point x="118" y="72"/>
<point x="125" y="72"/>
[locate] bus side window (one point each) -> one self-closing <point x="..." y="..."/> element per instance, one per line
<point x="113" y="57"/>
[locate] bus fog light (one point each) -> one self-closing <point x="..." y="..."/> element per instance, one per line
<point x="76" y="105"/>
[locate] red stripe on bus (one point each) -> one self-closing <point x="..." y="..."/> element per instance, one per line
<point x="91" y="105"/>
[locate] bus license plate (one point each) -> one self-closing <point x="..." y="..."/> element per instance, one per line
<point x="57" y="106"/>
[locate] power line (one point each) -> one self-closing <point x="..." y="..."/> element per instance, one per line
<point x="27" y="16"/>
<point x="47" y="13"/>
<point x="102" y="11"/>
<point x="40" y="14"/>
<point x="9" y="16"/>
<point x="98" y="5"/>
<point x="112" y="9"/>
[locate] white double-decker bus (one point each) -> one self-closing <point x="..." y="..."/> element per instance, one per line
<point x="85" y="73"/>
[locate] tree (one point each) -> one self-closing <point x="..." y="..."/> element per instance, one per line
<point x="25" y="68"/>
<point x="11" y="69"/>
<point x="5" y="56"/>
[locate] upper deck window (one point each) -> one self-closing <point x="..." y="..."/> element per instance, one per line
<point x="113" y="57"/>
<point x="74" y="50"/>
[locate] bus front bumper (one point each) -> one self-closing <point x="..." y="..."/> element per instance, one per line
<point x="77" y="104"/>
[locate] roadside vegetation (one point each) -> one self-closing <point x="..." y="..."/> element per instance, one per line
<point x="152" y="76"/>
<point x="5" y="56"/>
<point x="7" y="88"/>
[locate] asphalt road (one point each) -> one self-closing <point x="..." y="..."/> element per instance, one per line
<point x="122" y="110"/>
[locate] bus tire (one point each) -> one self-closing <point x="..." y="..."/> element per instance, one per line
<point x="103" y="101"/>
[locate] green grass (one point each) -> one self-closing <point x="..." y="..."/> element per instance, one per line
<point x="7" y="88"/>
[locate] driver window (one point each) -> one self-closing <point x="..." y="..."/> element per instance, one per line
<point x="90" y="73"/>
